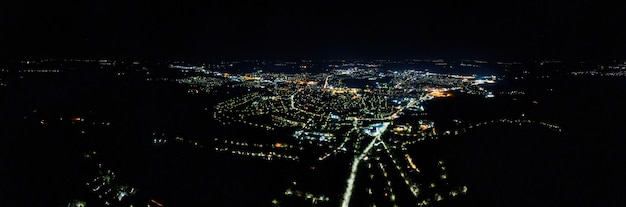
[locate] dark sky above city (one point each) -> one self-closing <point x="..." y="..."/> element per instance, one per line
<point x="310" y="29"/>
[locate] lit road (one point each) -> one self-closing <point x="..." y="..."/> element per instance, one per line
<point x="355" y="165"/>
<point x="292" y="102"/>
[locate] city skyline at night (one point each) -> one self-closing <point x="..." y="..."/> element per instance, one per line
<point x="312" y="103"/>
<point x="418" y="132"/>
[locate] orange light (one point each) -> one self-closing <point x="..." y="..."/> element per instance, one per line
<point x="156" y="202"/>
<point x="411" y="163"/>
<point x="278" y="145"/>
<point x="440" y="94"/>
<point x="423" y="127"/>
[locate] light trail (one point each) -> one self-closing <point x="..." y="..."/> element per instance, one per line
<point x="408" y="157"/>
<point x="355" y="166"/>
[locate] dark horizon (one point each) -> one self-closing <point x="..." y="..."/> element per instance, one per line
<point x="528" y="30"/>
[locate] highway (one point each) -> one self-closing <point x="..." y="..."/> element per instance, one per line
<point x="355" y="165"/>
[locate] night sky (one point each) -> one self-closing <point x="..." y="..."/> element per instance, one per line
<point x="579" y="30"/>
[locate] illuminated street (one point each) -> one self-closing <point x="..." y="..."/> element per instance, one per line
<point x="355" y="164"/>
